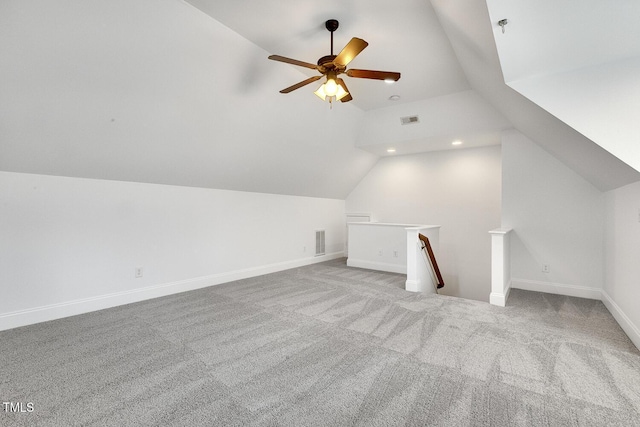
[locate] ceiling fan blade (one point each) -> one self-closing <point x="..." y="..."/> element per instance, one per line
<point x="299" y="85"/>
<point x="350" y="51"/>
<point x="293" y="61"/>
<point x="376" y="75"/>
<point x="348" y="96"/>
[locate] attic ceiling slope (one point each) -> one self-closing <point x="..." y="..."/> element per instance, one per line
<point x="471" y="32"/>
<point x="404" y="37"/>
<point x="587" y="73"/>
<point x="137" y="91"/>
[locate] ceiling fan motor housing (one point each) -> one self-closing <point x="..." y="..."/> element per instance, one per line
<point x="326" y="63"/>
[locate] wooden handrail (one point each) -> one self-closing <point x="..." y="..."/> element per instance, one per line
<point x="432" y="258"/>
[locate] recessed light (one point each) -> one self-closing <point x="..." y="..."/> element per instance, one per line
<point x="389" y="81"/>
<point x="394" y="97"/>
<point x="391" y="150"/>
<point x="456" y="143"/>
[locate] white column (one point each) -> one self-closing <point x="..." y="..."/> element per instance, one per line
<point x="500" y="266"/>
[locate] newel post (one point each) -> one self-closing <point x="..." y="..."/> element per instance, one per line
<point x="500" y="266"/>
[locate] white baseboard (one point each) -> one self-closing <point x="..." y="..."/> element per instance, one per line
<point x="46" y="313"/>
<point x="625" y="323"/>
<point x="381" y="266"/>
<point x="632" y="331"/>
<point x="419" y="286"/>
<point x="500" y="299"/>
<point x="412" y="285"/>
<point x="557" y="288"/>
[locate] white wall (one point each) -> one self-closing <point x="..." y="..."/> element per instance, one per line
<point x="457" y="189"/>
<point x="378" y="246"/>
<point x="69" y="245"/>
<point x="557" y="218"/>
<point x="622" y="267"/>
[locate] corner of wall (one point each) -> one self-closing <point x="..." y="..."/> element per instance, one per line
<point x="632" y="331"/>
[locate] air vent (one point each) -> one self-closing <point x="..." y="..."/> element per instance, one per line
<point x="319" y="242"/>
<point x="409" y="120"/>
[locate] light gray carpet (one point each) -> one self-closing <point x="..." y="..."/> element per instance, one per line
<point x="325" y="345"/>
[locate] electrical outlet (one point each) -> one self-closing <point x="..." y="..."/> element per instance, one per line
<point x="379" y="252"/>
<point x="395" y="254"/>
<point x="545" y="268"/>
<point x="138" y="272"/>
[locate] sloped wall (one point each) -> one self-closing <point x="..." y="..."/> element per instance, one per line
<point x="600" y="102"/>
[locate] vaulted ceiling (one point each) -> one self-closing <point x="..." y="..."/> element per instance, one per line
<point x="404" y="37"/>
<point x="182" y="93"/>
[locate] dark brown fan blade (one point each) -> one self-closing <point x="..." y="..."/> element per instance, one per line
<point x="293" y="61"/>
<point x="299" y="85"/>
<point x="350" y="51"/>
<point x="376" y="75"/>
<point x="348" y="96"/>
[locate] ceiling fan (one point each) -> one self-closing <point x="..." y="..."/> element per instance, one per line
<point x="332" y="66"/>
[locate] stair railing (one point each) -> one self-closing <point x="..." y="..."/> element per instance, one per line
<point x="426" y="247"/>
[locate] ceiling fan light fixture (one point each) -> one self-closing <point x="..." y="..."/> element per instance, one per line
<point x="331" y="87"/>
<point x="341" y="93"/>
<point x="331" y="90"/>
<point x="320" y="93"/>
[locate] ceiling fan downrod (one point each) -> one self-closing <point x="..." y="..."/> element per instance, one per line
<point x="332" y="25"/>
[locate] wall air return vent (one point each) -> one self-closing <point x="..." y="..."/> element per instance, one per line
<point x="319" y="242"/>
<point x="409" y="120"/>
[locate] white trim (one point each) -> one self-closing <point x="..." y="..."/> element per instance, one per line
<point x="45" y="313"/>
<point x="419" y="286"/>
<point x="393" y="224"/>
<point x="632" y="331"/>
<point x="373" y="265"/>
<point x="412" y="285"/>
<point x="358" y="215"/>
<point x="501" y="231"/>
<point x="557" y="288"/>
<point x="500" y="299"/>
